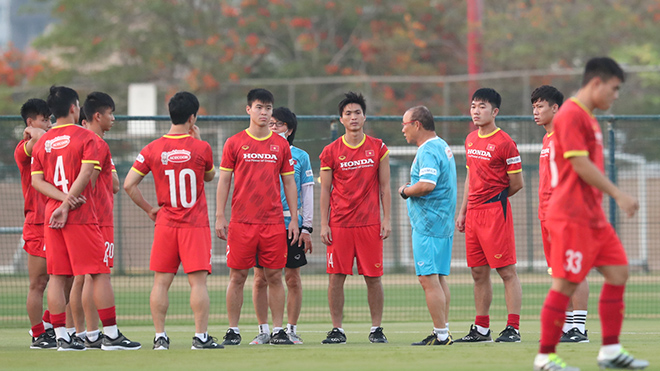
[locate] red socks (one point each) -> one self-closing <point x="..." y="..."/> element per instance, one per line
<point x="514" y="321"/>
<point x="552" y="320"/>
<point x="38" y="329"/>
<point x="108" y="316"/>
<point x="58" y="320"/>
<point x="610" y="309"/>
<point x="483" y="321"/>
<point x="46" y="317"/>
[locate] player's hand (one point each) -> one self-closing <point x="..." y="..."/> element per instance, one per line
<point x="385" y="229"/>
<point x="305" y="238"/>
<point x="76" y="202"/>
<point x="628" y="204"/>
<point x="153" y="213"/>
<point x="194" y="132"/>
<point x="402" y="187"/>
<point x="294" y="231"/>
<point x="460" y="223"/>
<point x="326" y="235"/>
<point x="59" y="217"/>
<point x="221" y="227"/>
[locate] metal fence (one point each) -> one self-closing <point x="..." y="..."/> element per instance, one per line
<point x="632" y="144"/>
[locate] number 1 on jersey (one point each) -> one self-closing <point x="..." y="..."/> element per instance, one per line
<point x="183" y="193"/>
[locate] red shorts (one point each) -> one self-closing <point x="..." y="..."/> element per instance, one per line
<point x="361" y="243"/>
<point x="190" y="247"/>
<point x="577" y="248"/>
<point x="33" y="235"/>
<point x="108" y="234"/>
<point x="76" y="249"/>
<point x="545" y="238"/>
<point x="246" y="242"/>
<point x="489" y="237"/>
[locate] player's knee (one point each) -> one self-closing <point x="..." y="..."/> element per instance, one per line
<point x="508" y="273"/>
<point x="293" y="281"/>
<point x="39" y="283"/>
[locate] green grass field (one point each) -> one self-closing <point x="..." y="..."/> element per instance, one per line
<point x="640" y="337"/>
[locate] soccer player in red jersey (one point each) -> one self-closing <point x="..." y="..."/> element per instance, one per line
<point x="97" y="116"/>
<point x="257" y="158"/>
<point x="36" y="115"/>
<point x="180" y="163"/>
<point x="355" y="180"/>
<point x="494" y="175"/>
<point x="62" y="167"/>
<point x="580" y="234"/>
<point x="546" y="101"/>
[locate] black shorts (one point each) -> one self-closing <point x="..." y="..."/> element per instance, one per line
<point x="295" y="257"/>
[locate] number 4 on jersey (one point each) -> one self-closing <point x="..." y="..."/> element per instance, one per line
<point x="59" y="178"/>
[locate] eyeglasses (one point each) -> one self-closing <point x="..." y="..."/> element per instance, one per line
<point x="279" y="124"/>
<point x="409" y="122"/>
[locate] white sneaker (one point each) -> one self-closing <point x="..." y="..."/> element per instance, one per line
<point x="262" y="338"/>
<point x="295" y="338"/>
<point x="554" y="363"/>
<point x="623" y="360"/>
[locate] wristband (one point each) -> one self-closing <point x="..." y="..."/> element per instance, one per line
<point x="403" y="194"/>
<point x="308" y="229"/>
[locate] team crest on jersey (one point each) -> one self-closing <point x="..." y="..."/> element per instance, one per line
<point x="140" y="158"/>
<point x="448" y="152"/>
<point x="245" y="147"/>
<point x="370" y="153"/>
<point x="490" y="147"/>
<point x="342" y="158"/>
<point x="377" y="265"/>
<point x="176" y="156"/>
<point x="274" y="148"/>
<point x="57" y="143"/>
<point x="470" y="144"/>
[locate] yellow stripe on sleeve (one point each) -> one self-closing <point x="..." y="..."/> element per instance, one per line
<point x="386" y="153"/>
<point x="114" y="170"/>
<point x="326" y="168"/>
<point x="138" y="171"/>
<point x="36" y="172"/>
<point x="288" y="173"/>
<point x="211" y="169"/>
<point x="25" y="149"/>
<point x="226" y="169"/>
<point x="569" y="154"/>
<point x="98" y="168"/>
<point x="91" y="162"/>
<point x="514" y="171"/>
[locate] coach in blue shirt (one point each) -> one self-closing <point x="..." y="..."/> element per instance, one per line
<point x="431" y="197"/>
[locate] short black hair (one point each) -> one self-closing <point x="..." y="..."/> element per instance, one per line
<point x="60" y="100"/>
<point x="488" y="95"/>
<point x="352" y="97"/>
<point x="82" y="117"/>
<point x="549" y="94"/>
<point x="424" y="116"/>
<point x="261" y="95"/>
<point x="181" y="106"/>
<point x="33" y="108"/>
<point x="603" y="67"/>
<point x="95" y="103"/>
<point x="285" y="115"/>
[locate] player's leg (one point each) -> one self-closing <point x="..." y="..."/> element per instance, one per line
<point x="435" y="299"/>
<point x="336" y="298"/>
<point x="75" y="302"/>
<point x="513" y="299"/>
<point x="294" y="295"/>
<point x="376" y="299"/>
<point x="275" y="296"/>
<point x="483" y="291"/>
<point x="237" y="278"/>
<point x="260" y="301"/>
<point x="159" y="300"/>
<point x="445" y="290"/>
<point x="93" y="338"/>
<point x="199" y="300"/>
<point x="38" y="278"/>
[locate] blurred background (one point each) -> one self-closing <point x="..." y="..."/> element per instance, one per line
<point x="308" y="53"/>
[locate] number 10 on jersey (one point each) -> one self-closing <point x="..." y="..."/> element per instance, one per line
<point x="182" y="182"/>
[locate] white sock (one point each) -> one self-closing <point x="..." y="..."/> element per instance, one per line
<point x="541" y="359"/>
<point x="341" y="330"/>
<point x="61" y="333"/>
<point x="609" y="351"/>
<point x="93" y="335"/>
<point x="277" y="329"/>
<point x="373" y="328"/>
<point x="264" y="329"/>
<point x="580" y="319"/>
<point x="447" y="326"/>
<point x="70" y="330"/>
<point x="31" y="334"/>
<point x="482" y="330"/>
<point x="291" y="329"/>
<point x="47" y="325"/>
<point x="161" y="335"/>
<point x="236" y="330"/>
<point x="111" y="331"/>
<point x="441" y="333"/>
<point x="82" y="335"/>
<point x="568" y="322"/>
<point x="203" y="336"/>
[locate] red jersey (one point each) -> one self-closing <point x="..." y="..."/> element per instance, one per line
<point x="35" y="202"/>
<point x="103" y="195"/>
<point x="178" y="164"/>
<point x="545" y="190"/>
<point x="58" y="155"/>
<point x="577" y="134"/>
<point x="355" y="195"/>
<point x="257" y="164"/>
<point x="490" y="159"/>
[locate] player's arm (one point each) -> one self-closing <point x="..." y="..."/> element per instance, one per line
<point x="209" y="175"/>
<point x="326" y="184"/>
<point x="95" y="175"/>
<point x="385" y="196"/>
<point x="221" y="196"/>
<point x="32" y="135"/>
<point x="45" y="188"/>
<point x="115" y="182"/>
<point x="131" y="183"/>
<point x="307" y="202"/>
<point x="588" y="172"/>
<point x="418" y="189"/>
<point x="460" y="219"/>
<point x="515" y="183"/>
<point x="291" y="193"/>
<point x="59" y="216"/>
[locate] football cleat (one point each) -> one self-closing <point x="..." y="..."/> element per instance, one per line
<point x="72" y="345"/>
<point x="210" y="343"/>
<point x="97" y="344"/>
<point x="231" y="338"/>
<point x="162" y="343"/>
<point x="554" y="363"/>
<point x="574" y="336"/>
<point x="433" y="340"/>
<point x="262" y="338"/>
<point x="624" y="361"/>
<point x="509" y="335"/>
<point x="377" y="336"/>
<point x="43" y="341"/>
<point x="280" y="338"/>
<point x="295" y="338"/>
<point x="335" y="337"/>
<point x="474" y="336"/>
<point x="119" y="343"/>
